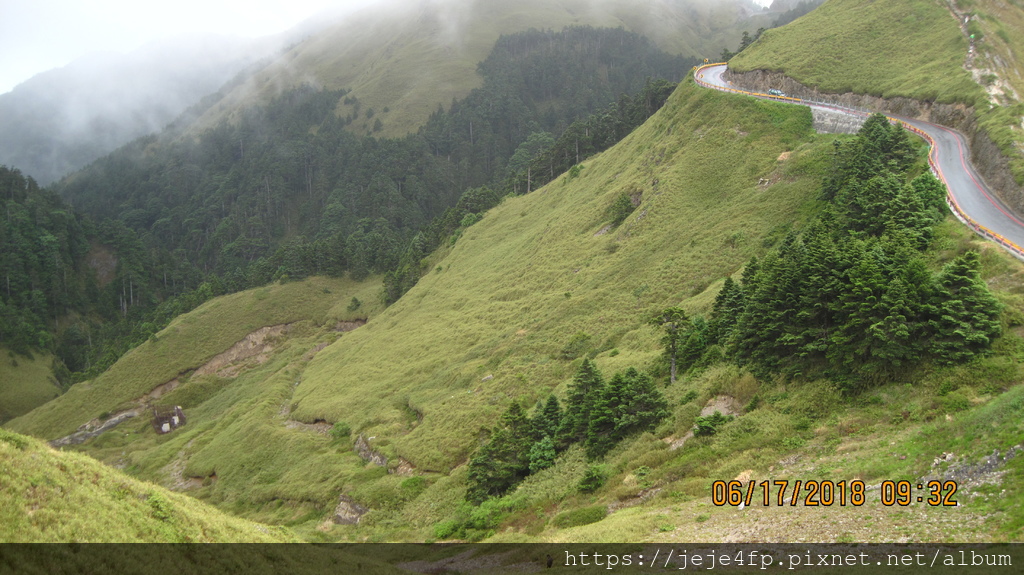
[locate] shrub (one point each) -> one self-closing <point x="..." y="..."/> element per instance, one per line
<point x="621" y="208"/>
<point x="340" y="430"/>
<point x="593" y="479"/>
<point x="577" y="346"/>
<point x="708" y="425"/>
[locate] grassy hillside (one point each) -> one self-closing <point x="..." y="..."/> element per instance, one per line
<point x="918" y="49"/>
<point x="696" y="165"/>
<point x="837" y="49"/>
<point x="24" y="383"/>
<point x="51" y="496"/>
<point x="190" y="341"/>
<point x="405" y="59"/>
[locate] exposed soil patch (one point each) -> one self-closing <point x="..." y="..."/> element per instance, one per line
<point x="321" y="427"/>
<point x="644" y="495"/>
<point x="349" y="325"/>
<point x="348" y="512"/>
<point x="95" y="427"/>
<point x="362" y="447"/>
<point x="403" y="468"/>
<point x="159" y="391"/>
<point x="253" y="349"/>
<point x="725" y="404"/>
<point x="175" y="471"/>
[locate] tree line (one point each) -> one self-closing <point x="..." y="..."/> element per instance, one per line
<point x="852" y="297"/>
<point x="597" y="415"/>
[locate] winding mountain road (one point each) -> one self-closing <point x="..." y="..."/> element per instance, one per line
<point x="970" y="199"/>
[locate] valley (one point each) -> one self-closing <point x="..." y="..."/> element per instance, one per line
<point x="357" y="346"/>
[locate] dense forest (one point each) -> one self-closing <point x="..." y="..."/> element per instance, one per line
<point x="295" y="171"/>
<point x="291" y="190"/>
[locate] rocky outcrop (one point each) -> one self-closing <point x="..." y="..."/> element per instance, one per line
<point x="985" y="154"/>
<point x="362" y="447"/>
<point x="348" y="512"/>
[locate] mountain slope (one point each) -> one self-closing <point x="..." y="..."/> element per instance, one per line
<point x="409" y="58"/>
<point x="835" y="48"/>
<point x="51" y="496"/>
<point x="719" y="178"/>
<point x="413" y="381"/>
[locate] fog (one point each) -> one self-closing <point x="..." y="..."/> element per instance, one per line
<point x="126" y="69"/>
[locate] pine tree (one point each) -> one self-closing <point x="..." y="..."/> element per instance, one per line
<point x="584" y="392"/>
<point x="725" y="311"/>
<point x="966" y="314"/>
<point x="675" y="323"/>
<point x="907" y="213"/>
<point x="604" y="415"/>
<point x="630" y="404"/>
<point x="504" y="460"/>
<point x="542" y="454"/>
<point x="933" y="194"/>
<point x="547" y="419"/>
<point x="643" y="408"/>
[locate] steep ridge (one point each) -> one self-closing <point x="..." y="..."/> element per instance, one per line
<point x="410" y="57"/>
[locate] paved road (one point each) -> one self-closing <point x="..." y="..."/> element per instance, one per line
<point x="950" y="156"/>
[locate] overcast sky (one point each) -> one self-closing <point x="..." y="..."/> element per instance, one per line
<point x="38" y="35"/>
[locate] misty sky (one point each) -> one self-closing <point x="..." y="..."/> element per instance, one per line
<point x="38" y="35"/>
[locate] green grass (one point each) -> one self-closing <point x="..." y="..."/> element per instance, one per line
<point x="51" y="496"/>
<point x="25" y="383"/>
<point x="698" y="160"/>
<point x="413" y="380"/>
<point x="910" y="48"/>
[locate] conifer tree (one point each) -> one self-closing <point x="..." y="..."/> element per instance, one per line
<point x="933" y="194"/>
<point x="504" y="460"/>
<point x="644" y="407"/>
<point x="542" y="454"/>
<point x="907" y="213"/>
<point x="601" y="432"/>
<point x="630" y="404"/>
<point x="966" y="313"/>
<point x="675" y="323"/>
<point x="547" y="419"/>
<point x="586" y="388"/>
<point x="725" y="311"/>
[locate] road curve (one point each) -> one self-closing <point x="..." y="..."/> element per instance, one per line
<point x="970" y="198"/>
